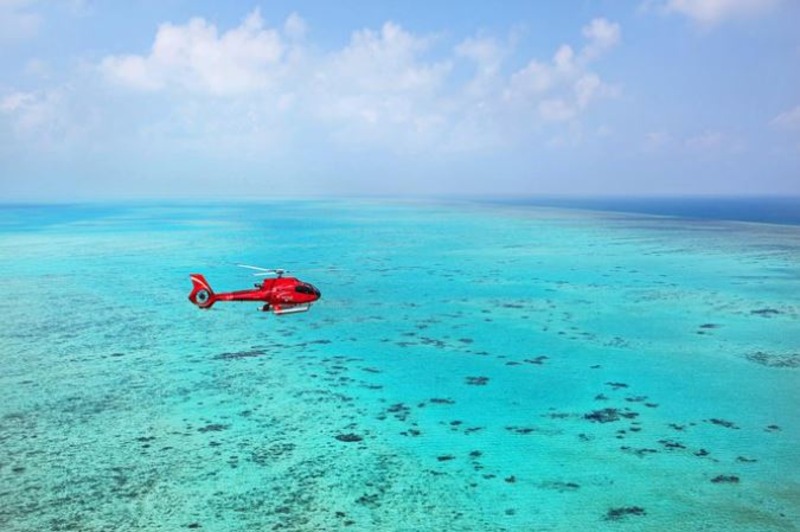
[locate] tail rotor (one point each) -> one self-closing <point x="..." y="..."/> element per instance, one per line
<point x="201" y="295"/>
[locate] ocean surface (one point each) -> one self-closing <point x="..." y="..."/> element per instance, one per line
<point x="469" y="367"/>
<point x="761" y="209"/>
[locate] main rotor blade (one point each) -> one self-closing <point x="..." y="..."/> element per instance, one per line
<point x="255" y="268"/>
<point x="275" y="271"/>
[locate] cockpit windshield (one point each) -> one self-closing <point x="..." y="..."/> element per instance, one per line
<point x="305" y="288"/>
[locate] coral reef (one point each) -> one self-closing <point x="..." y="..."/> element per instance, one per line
<point x="616" y="514"/>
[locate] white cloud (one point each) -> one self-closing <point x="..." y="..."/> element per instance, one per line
<point x="80" y="8"/>
<point x="380" y="88"/>
<point x="31" y="110"/>
<point x="714" y="142"/>
<point x="657" y="140"/>
<point x="708" y="143"/>
<point x="587" y="88"/>
<point x="712" y="12"/>
<point x="388" y="61"/>
<point x="710" y="140"/>
<point x="387" y="87"/>
<point x="37" y="68"/>
<point x="295" y="27"/>
<point x="556" y="110"/>
<point x="17" y="21"/>
<point x="196" y="58"/>
<point x="15" y="101"/>
<point x="563" y="60"/>
<point x="602" y="35"/>
<point x="52" y="120"/>
<point x="486" y="52"/>
<point x="35" y="113"/>
<point x="536" y="78"/>
<point x="566" y="86"/>
<point x="788" y="119"/>
<point x="486" y="55"/>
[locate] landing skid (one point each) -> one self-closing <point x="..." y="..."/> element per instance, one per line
<point x="287" y="309"/>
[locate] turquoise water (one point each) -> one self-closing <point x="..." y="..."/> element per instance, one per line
<point x="484" y="368"/>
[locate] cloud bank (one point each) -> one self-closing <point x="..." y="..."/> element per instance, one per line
<point x="713" y="12"/>
<point x="263" y="105"/>
<point x="386" y="86"/>
<point x="196" y="58"/>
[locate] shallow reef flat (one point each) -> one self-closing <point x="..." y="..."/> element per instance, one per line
<point x="468" y="368"/>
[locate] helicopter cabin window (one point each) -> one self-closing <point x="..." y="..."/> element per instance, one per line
<point x="304" y="289"/>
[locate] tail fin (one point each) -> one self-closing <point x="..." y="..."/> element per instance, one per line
<point x="202" y="295"/>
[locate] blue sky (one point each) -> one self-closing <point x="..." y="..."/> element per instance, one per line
<point x="179" y="98"/>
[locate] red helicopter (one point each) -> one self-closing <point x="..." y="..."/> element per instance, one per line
<point x="281" y="295"/>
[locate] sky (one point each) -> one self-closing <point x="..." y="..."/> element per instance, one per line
<point x="202" y="99"/>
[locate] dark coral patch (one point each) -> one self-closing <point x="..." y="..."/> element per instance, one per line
<point x="369" y="500"/>
<point x="725" y="479"/>
<point x="442" y="401"/>
<point x="608" y="415"/>
<point x="235" y="355"/>
<point x="773" y="360"/>
<point x="636" y="398"/>
<point x="538" y="360"/>
<point x="213" y="427"/>
<point x="616" y="514"/>
<point x="671" y="445"/>
<point x="640" y="452"/>
<point x="400" y="411"/>
<point x="349" y="437"/>
<point x="766" y="312"/>
<point x="723" y="423"/>
<point x="477" y="381"/>
<point x="520" y="430"/>
<point x="559" y="486"/>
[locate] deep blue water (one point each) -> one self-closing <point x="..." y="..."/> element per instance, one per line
<point x="773" y="210"/>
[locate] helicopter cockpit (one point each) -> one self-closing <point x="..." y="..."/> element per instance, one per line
<point x="306" y="288"/>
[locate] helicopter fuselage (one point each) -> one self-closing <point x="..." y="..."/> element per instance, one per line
<point x="281" y="295"/>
